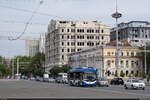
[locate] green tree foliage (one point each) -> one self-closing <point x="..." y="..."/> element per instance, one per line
<point x="3" y="67"/>
<point x="55" y="70"/>
<point x="37" y="64"/>
<point x="30" y="65"/>
<point x="122" y="74"/>
<point x="143" y="75"/>
<point x="147" y="57"/>
<point x="66" y="68"/>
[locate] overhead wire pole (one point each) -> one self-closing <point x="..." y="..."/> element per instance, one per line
<point x="18" y="66"/>
<point x="117" y="15"/>
<point x="13" y="68"/>
<point x="145" y="63"/>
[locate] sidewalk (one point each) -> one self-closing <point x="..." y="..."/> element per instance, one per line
<point x="8" y="80"/>
<point x="147" y="84"/>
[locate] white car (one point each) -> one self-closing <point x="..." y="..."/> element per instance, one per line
<point x="102" y="82"/>
<point x="134" y="84"/>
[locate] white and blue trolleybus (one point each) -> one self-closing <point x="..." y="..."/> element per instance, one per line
<point x="82" y="76"/>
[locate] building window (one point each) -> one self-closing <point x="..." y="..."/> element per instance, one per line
<point x="90" y="44"/>
<point x="68" y="43"/>
<point x="62" y="30"/>
<point x="132" y="72"/>
<point x="102" y="37"/>
<point x="72" y="50"/>
<point x="72" y="43"/>
<point x="108" y="53"/>
<point x="102" y="31"/>
<point x="72" y="30"/>
<point x="72" y="37"/>
<point x="62" y="50"/>
<point x="127" y="73"/>
<point x="127" y="53"/>
<point x="121" y="63"/>
<point x="68" y="37"/>
<point x="97" y="37"/>
<point x="108" y="63"/>
<point x="79" y="49"/>
<point x="62" y="57"/>
<point x="68" y="30"/>
<point x="68" y="50"/>
<point x="132" y="54"/>
<point x="137" y="63"/>
<point x="132" y="64"/>
<point x="121" y="53"/>
<point x="127" y="63"/>
<point x="62" y="37"/>
<point x="62" y="43"/>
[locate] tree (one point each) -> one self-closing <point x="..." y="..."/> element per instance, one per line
<point x="55" y="70"/>
<point x="136" y="75"/>
<point x="143" y="75"/>
<point x="122" y="74"/>
<point x="3" y="69"/>
<point x="37" y="64"/>
<point x="8" y="71"/>
<point x="66" y="68"/>
<point x="147" y="57"/>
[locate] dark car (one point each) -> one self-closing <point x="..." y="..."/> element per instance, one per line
<point x="117" y="81"/>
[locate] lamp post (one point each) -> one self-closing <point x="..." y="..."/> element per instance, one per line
<point x="117" y="15"/>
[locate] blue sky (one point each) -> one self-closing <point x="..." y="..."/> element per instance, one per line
<point x="12" y="20"/>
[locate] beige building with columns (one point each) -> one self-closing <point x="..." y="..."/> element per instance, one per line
<point x="103" y="59"/>
<point x="64" y="37"/>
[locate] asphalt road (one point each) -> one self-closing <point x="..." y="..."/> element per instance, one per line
<point x="33" y="89"/>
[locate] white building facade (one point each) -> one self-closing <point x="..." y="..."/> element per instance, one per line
<point x="64" y="37"/>
<point x="42" y="43"/>
<point x="137" y="33"/>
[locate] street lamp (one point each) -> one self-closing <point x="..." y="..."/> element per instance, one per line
<point x="117" y="15"/>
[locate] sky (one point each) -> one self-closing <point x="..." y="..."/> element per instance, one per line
<point x="14" y="14"/>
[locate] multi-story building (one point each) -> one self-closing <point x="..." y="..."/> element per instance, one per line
<point x="64" y="37"/>
<point x="42" y="43"/>
<point x="103" y="58"/>
<point x="135" y="32"/>
<point x="32" y="47"/>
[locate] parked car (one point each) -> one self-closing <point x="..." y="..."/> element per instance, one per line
<point x="117" y="81"/>
<point x="134" y="84"/>
<point x="45" y="79"/>
<point x="41" y="79"/>
<point x="102" y="82"/>
<point x="65" y="80"/>
<point x="58" y="80"/>
<point x="37" y="78"/>
<point x="32" y="78"/>
<point x="51" y="80"/>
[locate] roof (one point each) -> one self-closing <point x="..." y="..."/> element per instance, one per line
<point x="119" y="44"/>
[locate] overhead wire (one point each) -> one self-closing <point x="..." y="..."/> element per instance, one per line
<point x="26" y="26"/>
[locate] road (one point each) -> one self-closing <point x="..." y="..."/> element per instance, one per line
<point x="33" y="89"/>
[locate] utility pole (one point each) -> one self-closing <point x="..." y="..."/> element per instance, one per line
<point x="13" y="68"/>
<point x="17" y="66"/>
<point x="117" y="15"/>
<point x="145" y="59"/>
